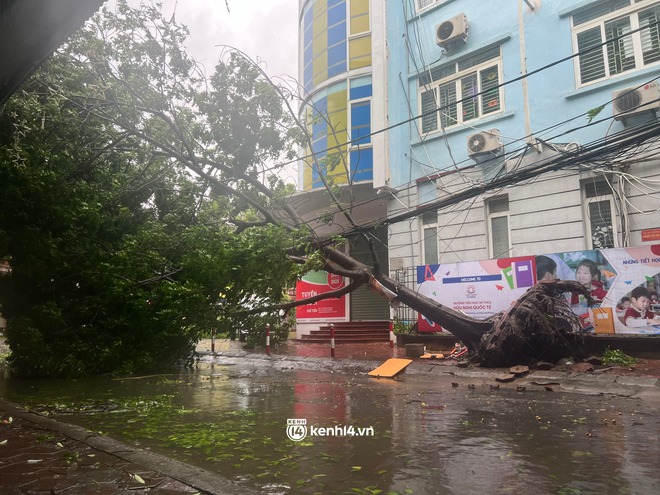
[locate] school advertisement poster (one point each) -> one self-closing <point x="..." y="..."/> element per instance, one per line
<point x="477" y="288"/>
<point x="313" y="284"/>
<point x="625" y="282"/>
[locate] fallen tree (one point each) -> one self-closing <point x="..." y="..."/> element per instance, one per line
<point x="137" y="99"/>
<point x="539" y="326"/>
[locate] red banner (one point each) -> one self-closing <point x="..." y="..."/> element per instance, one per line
<point x="313" y="284"/>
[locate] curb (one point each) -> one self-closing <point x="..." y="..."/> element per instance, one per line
<point x="584" y="383"/>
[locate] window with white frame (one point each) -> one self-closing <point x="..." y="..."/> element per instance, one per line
<point x="422" y="4"/>
<point x="614" y="37"/>
<point x="497" y="213"/>
<point x="598" y="212"/>
<point x="430" y="238"/>
<point x="460" y="92"/>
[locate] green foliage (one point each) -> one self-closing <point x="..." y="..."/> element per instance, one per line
<point x="593" y="113"/>
<point x="253" y="328"/>
<point x="121" y="172"/>
<point x="404" y="326"/>
<point x="616" y="356"/>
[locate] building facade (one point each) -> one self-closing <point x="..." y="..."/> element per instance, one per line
<point x="342" y="62"/>
<point x="513" y="92"/>
<point x="496" y="129"/>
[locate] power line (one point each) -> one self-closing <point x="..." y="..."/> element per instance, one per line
<point x="594" y="152"/>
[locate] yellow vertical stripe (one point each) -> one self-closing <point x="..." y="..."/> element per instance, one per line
<point x="359" y="16"/>
<point x="320" y="68"/>
<point x="359" y="50"/>
<point x="320" y="42"/>
<point x="308" y="162"/>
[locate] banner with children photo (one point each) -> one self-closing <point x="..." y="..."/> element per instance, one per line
<point x="624" y="282"/>
<point x="632" y="300"/>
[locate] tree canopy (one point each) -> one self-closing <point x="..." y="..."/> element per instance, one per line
<point x="115" y="160"/>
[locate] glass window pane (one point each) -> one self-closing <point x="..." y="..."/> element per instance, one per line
<point x="600" y="221"/>
<point x="620" y="55"/>
<point x="359" y="16"/>
<point x="592" y="65"/>
<point x="359" y="52"/>
<point x="490" y="92"/>
<point x="600" y="9"/>
<point x="448" y="110"/>
<point x="650" y="35"/>
<point x="593" y="188"/>
<point x="479" y="58"/>
<point x="442" y="72"/>
<point x="430" y="218"/>
<point x="430" y="246"/>
<point x="469" y="95"/>
<point x="498" y="205"/>
<point x="361" y="123"/>
<point x="429" y="116"/>
<point x="500" y="235"/>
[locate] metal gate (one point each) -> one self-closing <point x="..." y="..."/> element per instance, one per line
<point x="365" y="304"/>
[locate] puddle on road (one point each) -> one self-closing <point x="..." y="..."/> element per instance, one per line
<point x="422" y="438"/>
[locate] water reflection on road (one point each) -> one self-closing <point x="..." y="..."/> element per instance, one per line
<point x="429" y="437"/>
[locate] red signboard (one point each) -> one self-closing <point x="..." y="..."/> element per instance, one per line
<point x="313" y="284"/>
<point x="650" y="235"/>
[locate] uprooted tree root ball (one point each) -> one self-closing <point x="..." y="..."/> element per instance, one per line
<point x="539" y="326"/>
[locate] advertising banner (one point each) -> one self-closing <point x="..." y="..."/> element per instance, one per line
<point x="625" y="282"/>
<point x="477" y="288"/>
<point x="315" y="283"/>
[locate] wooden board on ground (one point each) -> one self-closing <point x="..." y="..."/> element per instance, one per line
<point x="432" y="356"/>
<point x="391" y="367"/>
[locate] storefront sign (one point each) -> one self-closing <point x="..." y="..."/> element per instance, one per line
<point x="315" y="283"/>
<point x="650" y="235"/>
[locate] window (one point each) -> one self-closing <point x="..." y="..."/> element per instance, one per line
<point x="598" y="208"/>
<point x="497" y="209"/>
<point x="359" y="43"/>
<point x="430" y="238"/>
<point x="361" y="152"/>
<point x="630" y="33"/>
<point x="422" y="4"/>
<point x="460" y="92"/>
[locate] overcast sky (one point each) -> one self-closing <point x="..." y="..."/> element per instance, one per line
<point x="267" y="30"/>
<point x="264" y="29"/>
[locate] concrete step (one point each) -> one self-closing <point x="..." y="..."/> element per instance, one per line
<point x="349" y="340"/>
<point x="350" y="336"/>
<point x="350" y="332"/>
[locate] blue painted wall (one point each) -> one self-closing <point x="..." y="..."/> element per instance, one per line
<point x="553" y="94"/>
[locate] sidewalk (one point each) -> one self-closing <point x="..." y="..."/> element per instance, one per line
<point x="39" y="455"/>
<point x="641" y="380"/>
<point x="379" y="352"/>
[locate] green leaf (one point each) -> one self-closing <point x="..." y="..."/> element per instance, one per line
<point x="138" y="478"/>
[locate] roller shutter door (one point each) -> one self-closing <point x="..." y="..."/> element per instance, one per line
<point x="365" y="304"/>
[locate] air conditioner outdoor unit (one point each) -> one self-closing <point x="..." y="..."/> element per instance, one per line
<point x="633" y="101"/>
<point x="484" y="143"/>
<point x="451" y="31"/>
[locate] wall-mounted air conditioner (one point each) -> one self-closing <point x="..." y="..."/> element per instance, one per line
<point x="484" y="143"/>
<point x="633" y="101"/>
<point x="452" y="31"/>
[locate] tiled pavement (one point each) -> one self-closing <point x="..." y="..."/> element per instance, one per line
<point x="39" y="455"/>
